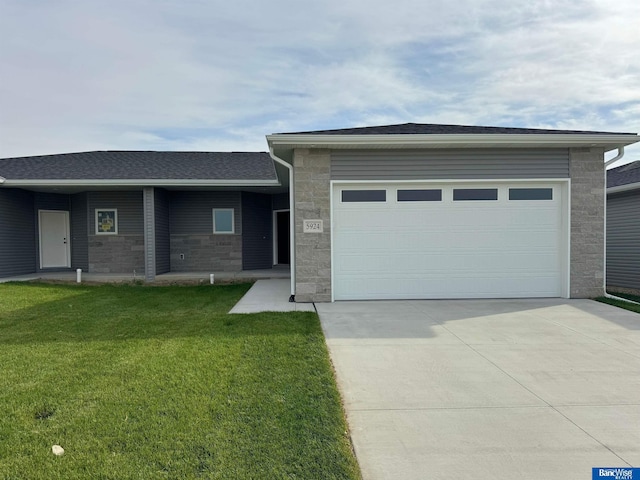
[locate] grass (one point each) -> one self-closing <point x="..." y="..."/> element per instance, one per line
<point x="620" y="303"/>
<point x="143" y="383"/>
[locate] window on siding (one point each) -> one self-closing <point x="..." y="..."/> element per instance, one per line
<point x="364" y="195"/>
<point x="419" y="195"/>
<point x="223" y="220"/>
<point x="531" y="194"/>
<point x="475" y="194"/>
<point x="106" y="221"/>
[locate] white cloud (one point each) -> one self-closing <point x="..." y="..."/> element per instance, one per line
<point x="200" y="74"/>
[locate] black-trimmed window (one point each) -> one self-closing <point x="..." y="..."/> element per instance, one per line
<point x="531" y="194"/>
<point x="433" y="195"/>
<point x="364" y="195"/>
<point x="461" y="194"/>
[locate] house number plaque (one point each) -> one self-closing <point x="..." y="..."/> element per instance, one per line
<point x="312" y="226"/>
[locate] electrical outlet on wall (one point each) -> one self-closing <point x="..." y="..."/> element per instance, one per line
<point x="182" y="256"/>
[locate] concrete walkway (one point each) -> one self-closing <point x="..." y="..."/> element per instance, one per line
<point x="270" y="296"/>
<point x="495" y="389"/>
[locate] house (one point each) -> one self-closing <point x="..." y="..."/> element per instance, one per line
<point x="389" y="212"/>
<point x="148" y="212"/>
<point x="623" y="228"/>
<point x="443" y="211"/>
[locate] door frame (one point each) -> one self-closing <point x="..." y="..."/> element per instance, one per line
<point x="67" y="232"/>
<point x="275" y="234"/>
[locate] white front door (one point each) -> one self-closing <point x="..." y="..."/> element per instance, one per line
<point x="54" y="239"/>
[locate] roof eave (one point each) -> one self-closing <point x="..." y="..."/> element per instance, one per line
<point x="609" y="142"/>
<point x="624" y="188"/>
<point x="137" y="183"/>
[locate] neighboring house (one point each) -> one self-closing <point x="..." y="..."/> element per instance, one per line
<point x="397" y="211"/>
<point x="623" y="228"/>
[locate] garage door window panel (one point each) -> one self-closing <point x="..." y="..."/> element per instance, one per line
<point x="475" y="194"/>
<point x="431" y="195"/>
<point x="349" y="196"/>
<point x="530" y="194"/>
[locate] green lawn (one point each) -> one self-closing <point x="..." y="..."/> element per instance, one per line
<point x="159" y="382"/>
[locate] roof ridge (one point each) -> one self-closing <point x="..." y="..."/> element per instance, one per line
<point x="135" y="152"/>
<point x="413" y="128"/>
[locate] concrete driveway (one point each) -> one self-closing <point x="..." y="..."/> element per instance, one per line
<point x="492" y="389"/>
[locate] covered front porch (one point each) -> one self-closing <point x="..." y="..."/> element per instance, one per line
<point x="145" y="216"/>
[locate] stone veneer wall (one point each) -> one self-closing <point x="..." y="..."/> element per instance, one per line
<point x="116" y="254"/>
<point x="587" y="173"/>
<point x="206" y="253"/>
<point x="312" y="202"/>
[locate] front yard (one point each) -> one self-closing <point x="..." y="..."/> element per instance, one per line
<point x="159" y="382"/>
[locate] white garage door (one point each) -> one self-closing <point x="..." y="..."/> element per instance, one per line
<point x="467" y="240"/>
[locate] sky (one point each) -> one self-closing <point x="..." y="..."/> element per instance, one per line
<point x="208" y="75"/>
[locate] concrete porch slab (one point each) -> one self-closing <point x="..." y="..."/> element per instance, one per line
<point x="164" y="278"/>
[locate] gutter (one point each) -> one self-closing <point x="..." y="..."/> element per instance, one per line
<point x="623" y="188"/>
<point x="616" y="158"/>
<point x="141" y="182"/>
<point x="609" y="141"/>
<point x="292" y="223"/>
<point x="2" y="180"/>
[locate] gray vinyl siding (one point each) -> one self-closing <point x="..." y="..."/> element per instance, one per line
<point x="192" y="212"/>
<point x="163" y="247"/>
<point x="79" y="232"/>
<point x="449" y="164"/>
<point x="280" y="201"/>
<point x="17" y="232"/>
<point x="257" y="228"/>
<point x="129" y="206"/>
<point x="623" y="240"/>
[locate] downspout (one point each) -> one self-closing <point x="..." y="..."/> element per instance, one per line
<point x="613" y="297"/>
<point x="606" y="164"/>
<point x="616" y="158"/>
<point x="2" y="180"/>
<point x="292" y="224"/>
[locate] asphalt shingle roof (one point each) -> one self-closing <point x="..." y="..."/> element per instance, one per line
<point x="434" y="129"/>
<point x="624" y="175"/>
<point x="137" y="165"/>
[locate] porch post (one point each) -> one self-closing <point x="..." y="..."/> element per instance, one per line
<point x="149" y="208"/>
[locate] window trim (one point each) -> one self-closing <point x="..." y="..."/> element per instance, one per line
<point x="233" y="223"/>
<point x="115" y="221"/>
